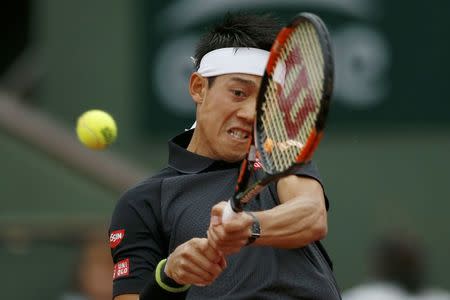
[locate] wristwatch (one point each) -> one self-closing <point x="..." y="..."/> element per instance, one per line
<point x="256" y="229"/>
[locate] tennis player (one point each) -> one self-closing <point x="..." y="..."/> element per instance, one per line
<point x="166" y="235"/>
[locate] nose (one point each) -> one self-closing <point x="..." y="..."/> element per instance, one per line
<point x="247" y="112"/>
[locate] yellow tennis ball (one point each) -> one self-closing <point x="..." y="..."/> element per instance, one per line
<point x="96" y="129"/>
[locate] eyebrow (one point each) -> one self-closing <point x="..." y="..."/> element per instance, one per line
<point x="244" y="81"/>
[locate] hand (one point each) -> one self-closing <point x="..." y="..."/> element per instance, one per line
<point x="231" y="236"/>
<point x="195" y="262"/>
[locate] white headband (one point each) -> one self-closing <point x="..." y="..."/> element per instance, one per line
<point x="234" y="60"/>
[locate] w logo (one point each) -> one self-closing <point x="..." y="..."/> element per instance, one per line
<point x="296" y="85"/>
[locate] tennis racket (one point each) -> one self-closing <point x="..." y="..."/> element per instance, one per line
<point x="291" y="108"/>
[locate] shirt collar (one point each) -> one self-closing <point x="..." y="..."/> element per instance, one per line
<point x="188" y="162"/>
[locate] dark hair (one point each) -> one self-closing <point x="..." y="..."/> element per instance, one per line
<point x="239" y="30"/>
<point x="400" y="259"/>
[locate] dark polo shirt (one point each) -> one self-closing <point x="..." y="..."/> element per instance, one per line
<point x="154" y="217"/>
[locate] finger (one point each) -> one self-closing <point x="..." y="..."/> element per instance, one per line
<point x="214" y="242"/>
<point x="241" y="222"/>
<point x="221" y="236"/>
<point x="194" y="271"/>
<point x="221" y="247"/>
<point x="189" y="257"/>
<point x="226" y="248"/>
<point x="200" y="261"/>
<point x="211" y="252"/>
<point x="216" y="213"/>
<point x="223" y="263"/>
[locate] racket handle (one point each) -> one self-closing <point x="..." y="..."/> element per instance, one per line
<point x="228" y="212"/>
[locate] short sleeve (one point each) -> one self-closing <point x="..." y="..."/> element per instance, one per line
<point x="310" y="170"/>
<point x="136" y="241"/>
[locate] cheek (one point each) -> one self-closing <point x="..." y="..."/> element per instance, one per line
<point x="218" y="110"/>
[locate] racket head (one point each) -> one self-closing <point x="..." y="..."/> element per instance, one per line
<point x="295" y="93"/>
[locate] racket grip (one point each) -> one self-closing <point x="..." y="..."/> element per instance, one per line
<point x="228" y="212"/>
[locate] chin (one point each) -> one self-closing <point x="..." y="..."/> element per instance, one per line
<point x="235" y="157"/>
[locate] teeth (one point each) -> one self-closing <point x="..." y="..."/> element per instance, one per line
<point x="238" y="134"/>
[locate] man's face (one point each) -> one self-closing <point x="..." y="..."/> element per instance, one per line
<point x="225" y="117"/>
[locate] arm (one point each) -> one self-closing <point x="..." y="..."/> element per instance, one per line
<point x="139" y="250"/>
<point x="300" y="219"/>
<point x="193" y="262"/>
<point x="127" y="297"/>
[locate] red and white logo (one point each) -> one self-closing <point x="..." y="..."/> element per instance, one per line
<point x="257" y="164"/>
<point x="122" y="269"/>
<point x="116" y="237"/>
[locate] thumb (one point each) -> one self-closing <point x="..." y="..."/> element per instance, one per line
<point x="216" y="213"/>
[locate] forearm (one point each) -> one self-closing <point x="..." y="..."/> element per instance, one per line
<point x="293" y="224"/>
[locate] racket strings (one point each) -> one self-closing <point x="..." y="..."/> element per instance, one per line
<point x="272" y="116"/>
<point x="293" y="99"/>
<point x="281" y="156"/>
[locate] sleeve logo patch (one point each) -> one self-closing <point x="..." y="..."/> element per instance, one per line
<point x="121" y="269"/>
<point x="116" y="237"/>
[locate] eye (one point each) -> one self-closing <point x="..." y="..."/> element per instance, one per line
<point x="238" y="93"/>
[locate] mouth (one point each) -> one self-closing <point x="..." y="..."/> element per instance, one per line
<point x="239" y="134"/>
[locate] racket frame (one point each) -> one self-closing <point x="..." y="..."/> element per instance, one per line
<point x="243" y="196"/>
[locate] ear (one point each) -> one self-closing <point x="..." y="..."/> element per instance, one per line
<point x="197" y="87"/>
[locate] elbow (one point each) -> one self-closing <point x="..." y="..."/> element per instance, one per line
<point x="320" y="228"/>
<point x="321" y="232"/>
<point x="316" y="231"/>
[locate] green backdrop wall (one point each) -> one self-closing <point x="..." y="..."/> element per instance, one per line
<point x="384" y="158"/>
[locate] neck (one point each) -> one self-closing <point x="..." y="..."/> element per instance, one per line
<point x="194" y="143"/>
<point x="199" y="145"/>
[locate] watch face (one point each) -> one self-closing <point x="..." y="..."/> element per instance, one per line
<point x="256" y="230"/>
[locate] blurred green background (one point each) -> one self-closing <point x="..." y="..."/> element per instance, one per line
<point x="384" y="159"/>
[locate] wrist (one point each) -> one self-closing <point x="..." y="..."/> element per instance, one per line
<point x="255" y="228"/>
<point x="165" y="282"/>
